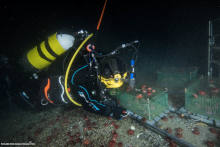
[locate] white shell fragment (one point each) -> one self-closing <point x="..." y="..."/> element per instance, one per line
<point x="133" y="128"/>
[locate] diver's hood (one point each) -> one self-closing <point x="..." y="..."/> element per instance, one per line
<point x="112" y="72"/>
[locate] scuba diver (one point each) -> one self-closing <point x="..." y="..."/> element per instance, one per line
<point x="67" y="68"/>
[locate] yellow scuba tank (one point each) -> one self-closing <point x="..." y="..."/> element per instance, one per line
<point x="42" y="55"/>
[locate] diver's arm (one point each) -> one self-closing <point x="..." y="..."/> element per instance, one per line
<point x="109" y="107"/>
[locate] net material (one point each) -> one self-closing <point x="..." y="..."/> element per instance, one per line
<point x="203" y="98"/>
<point x="148" y="106"/>
<point x="174" y="77"/>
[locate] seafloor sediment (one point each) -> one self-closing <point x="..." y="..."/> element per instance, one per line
<point x="76" y="127"/>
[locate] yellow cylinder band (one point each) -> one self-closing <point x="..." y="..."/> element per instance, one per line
<point x="45" y="51"/>
<point x="55" y="45"/>
<point x="44" y="54"/>
<point x="36" y="60"/>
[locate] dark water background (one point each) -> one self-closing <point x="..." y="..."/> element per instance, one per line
<point x="171" y="34"/>
<point x="168" y="32"/>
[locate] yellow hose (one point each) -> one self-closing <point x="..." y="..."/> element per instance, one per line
<point x="68" y="69"/>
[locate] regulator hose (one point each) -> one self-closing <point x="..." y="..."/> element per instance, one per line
<point x="68" y="69"/>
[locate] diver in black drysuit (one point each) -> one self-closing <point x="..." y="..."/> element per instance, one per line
<point x="84" y="83"/>
<point x="85" y="86"/>
<point x="91" y="93"/>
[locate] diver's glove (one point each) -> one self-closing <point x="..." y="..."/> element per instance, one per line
<point x="118" y="113"/>
<point x="113" y="109"/>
